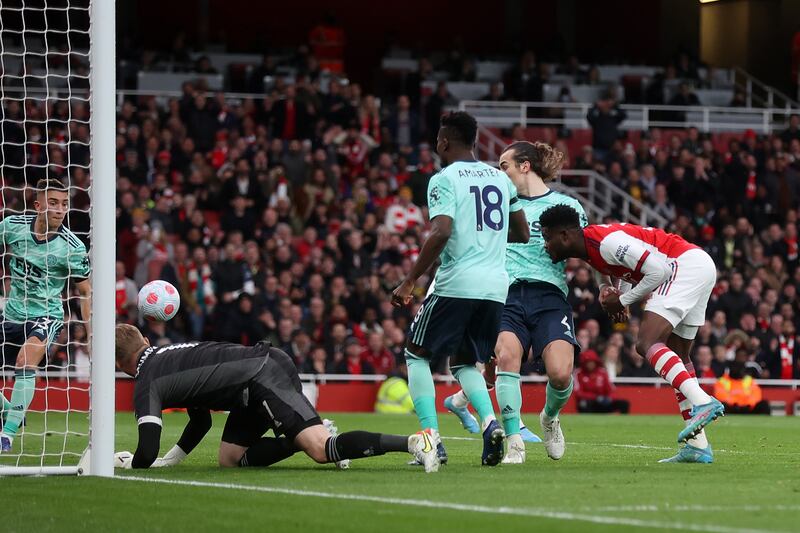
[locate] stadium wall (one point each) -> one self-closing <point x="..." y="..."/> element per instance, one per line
<point x="360" y="397"/>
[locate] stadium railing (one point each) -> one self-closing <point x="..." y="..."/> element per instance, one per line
<point x="598" y="195"/>
<point x="640" y="117"/>
<point x="760" y="93"/>
<point x="793" y="384"/>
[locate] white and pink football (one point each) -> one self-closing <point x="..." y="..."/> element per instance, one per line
<point x="159" y="300"/>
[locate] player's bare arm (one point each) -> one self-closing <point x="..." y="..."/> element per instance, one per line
<point x="85" y="291"/>
<point x="518" y="229"/>
<point x="441" y="229"/>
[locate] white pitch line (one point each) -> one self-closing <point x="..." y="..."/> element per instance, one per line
<point x="645" y="447"/>
<point x="610" y="445"/>
<point x="644" y="508"/>
<point x="514" y="511"/>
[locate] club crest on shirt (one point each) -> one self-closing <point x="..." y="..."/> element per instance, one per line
<point x="434" y="197"/>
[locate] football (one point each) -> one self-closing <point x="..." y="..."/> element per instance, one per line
<point x="159" y="301"/>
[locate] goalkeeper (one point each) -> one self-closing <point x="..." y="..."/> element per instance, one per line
<point x="44" y="256"/>
<point x="260" y="387"/>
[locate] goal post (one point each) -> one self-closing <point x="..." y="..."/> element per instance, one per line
<point x="102" y="27"/>
<point x="57" y="120"/>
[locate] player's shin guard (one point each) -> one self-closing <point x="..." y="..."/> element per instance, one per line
<point x="474" y="386"/>
<point x="700" y="440"/>
<point x="459" y="400"/>
<point x="509" y="398"/>
<point x="359" y="444"/>
<point x="556" y="399"/>
<point x="267" y="451"/>
<point x="670" y="367"/>
<point x="423" y="392"/>
<point x="21" y="396"/>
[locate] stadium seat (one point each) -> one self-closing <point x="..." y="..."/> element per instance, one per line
<point x="777" y="408"/>
<point x="171" y="81"/>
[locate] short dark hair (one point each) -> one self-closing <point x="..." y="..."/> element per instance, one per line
<point x="461" y="127"/>
<point x="50" y="184"/>
<point x="560" y="216"/>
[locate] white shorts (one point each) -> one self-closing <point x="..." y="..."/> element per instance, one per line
<point x="683" y="298"/>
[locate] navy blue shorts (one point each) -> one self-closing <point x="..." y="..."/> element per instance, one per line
<point x="14" y="334"/>
<point x="538" y="314"/>
<point x="463" y="329"/>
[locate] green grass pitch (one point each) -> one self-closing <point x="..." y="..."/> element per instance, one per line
<point x="609" y="480"/>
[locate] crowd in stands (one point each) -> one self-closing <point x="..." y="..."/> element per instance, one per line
<point x="291" y="218"/>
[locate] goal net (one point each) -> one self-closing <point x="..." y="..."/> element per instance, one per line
<point x="46" y="132"/>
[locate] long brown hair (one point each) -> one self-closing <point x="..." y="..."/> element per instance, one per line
<point x="545" y="160"/>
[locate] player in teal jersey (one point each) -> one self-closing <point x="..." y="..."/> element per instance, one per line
<point x="473" y="210"/>
<point x="44" y="255"/>
<point x="536" y="316"/>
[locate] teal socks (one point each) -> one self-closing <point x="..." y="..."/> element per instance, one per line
<point x="509" y="398"/>
<point x="5" y="406"/>
<point x="423" y="393"/>
<point x="474" y="387"/>
<point x="21" y="396"/>
<point x="556" y="399"/>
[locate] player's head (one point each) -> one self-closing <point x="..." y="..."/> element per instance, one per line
<point x="562" y="233"/>
<point x="129" y="343"/>
<point x="523" y="157"/>
<point x="52" y="201"/>
<point x="457" y="132"/>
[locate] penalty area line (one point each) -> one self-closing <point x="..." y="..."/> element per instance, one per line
<point x="512" y="511"/>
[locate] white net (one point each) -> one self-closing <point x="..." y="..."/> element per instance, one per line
<point x="44" y="133"/>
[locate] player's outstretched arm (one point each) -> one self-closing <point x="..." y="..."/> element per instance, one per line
<point x="441" y="229"/>
<point x="149" y="443"/>
<point x="518" y="229"/>
<point x="197" y="427"/>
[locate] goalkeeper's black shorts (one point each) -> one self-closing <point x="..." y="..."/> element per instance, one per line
<point x="275" y="400"/>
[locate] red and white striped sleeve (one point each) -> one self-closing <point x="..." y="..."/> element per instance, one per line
<point x="624" y="250"/>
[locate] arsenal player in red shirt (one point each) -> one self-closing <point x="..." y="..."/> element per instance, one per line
<point x="675" y="278"/>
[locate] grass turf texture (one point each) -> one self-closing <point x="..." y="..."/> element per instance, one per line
<point x="609" y="480"/>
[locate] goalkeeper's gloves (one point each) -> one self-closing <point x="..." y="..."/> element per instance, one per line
<point x="171" y="458"/>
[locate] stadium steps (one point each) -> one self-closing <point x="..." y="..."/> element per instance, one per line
<point x="599" y="196"/>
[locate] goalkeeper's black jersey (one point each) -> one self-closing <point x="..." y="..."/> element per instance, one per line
<point x="209" y="375"/>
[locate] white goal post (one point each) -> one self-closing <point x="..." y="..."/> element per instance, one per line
<point x="34" y="73"/>
<point x="102" y="28"/>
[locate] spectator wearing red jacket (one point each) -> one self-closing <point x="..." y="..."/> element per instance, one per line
<point x="353" y="363"/>
<point x="377" y="355"/>
<point x="593" y="388"/>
